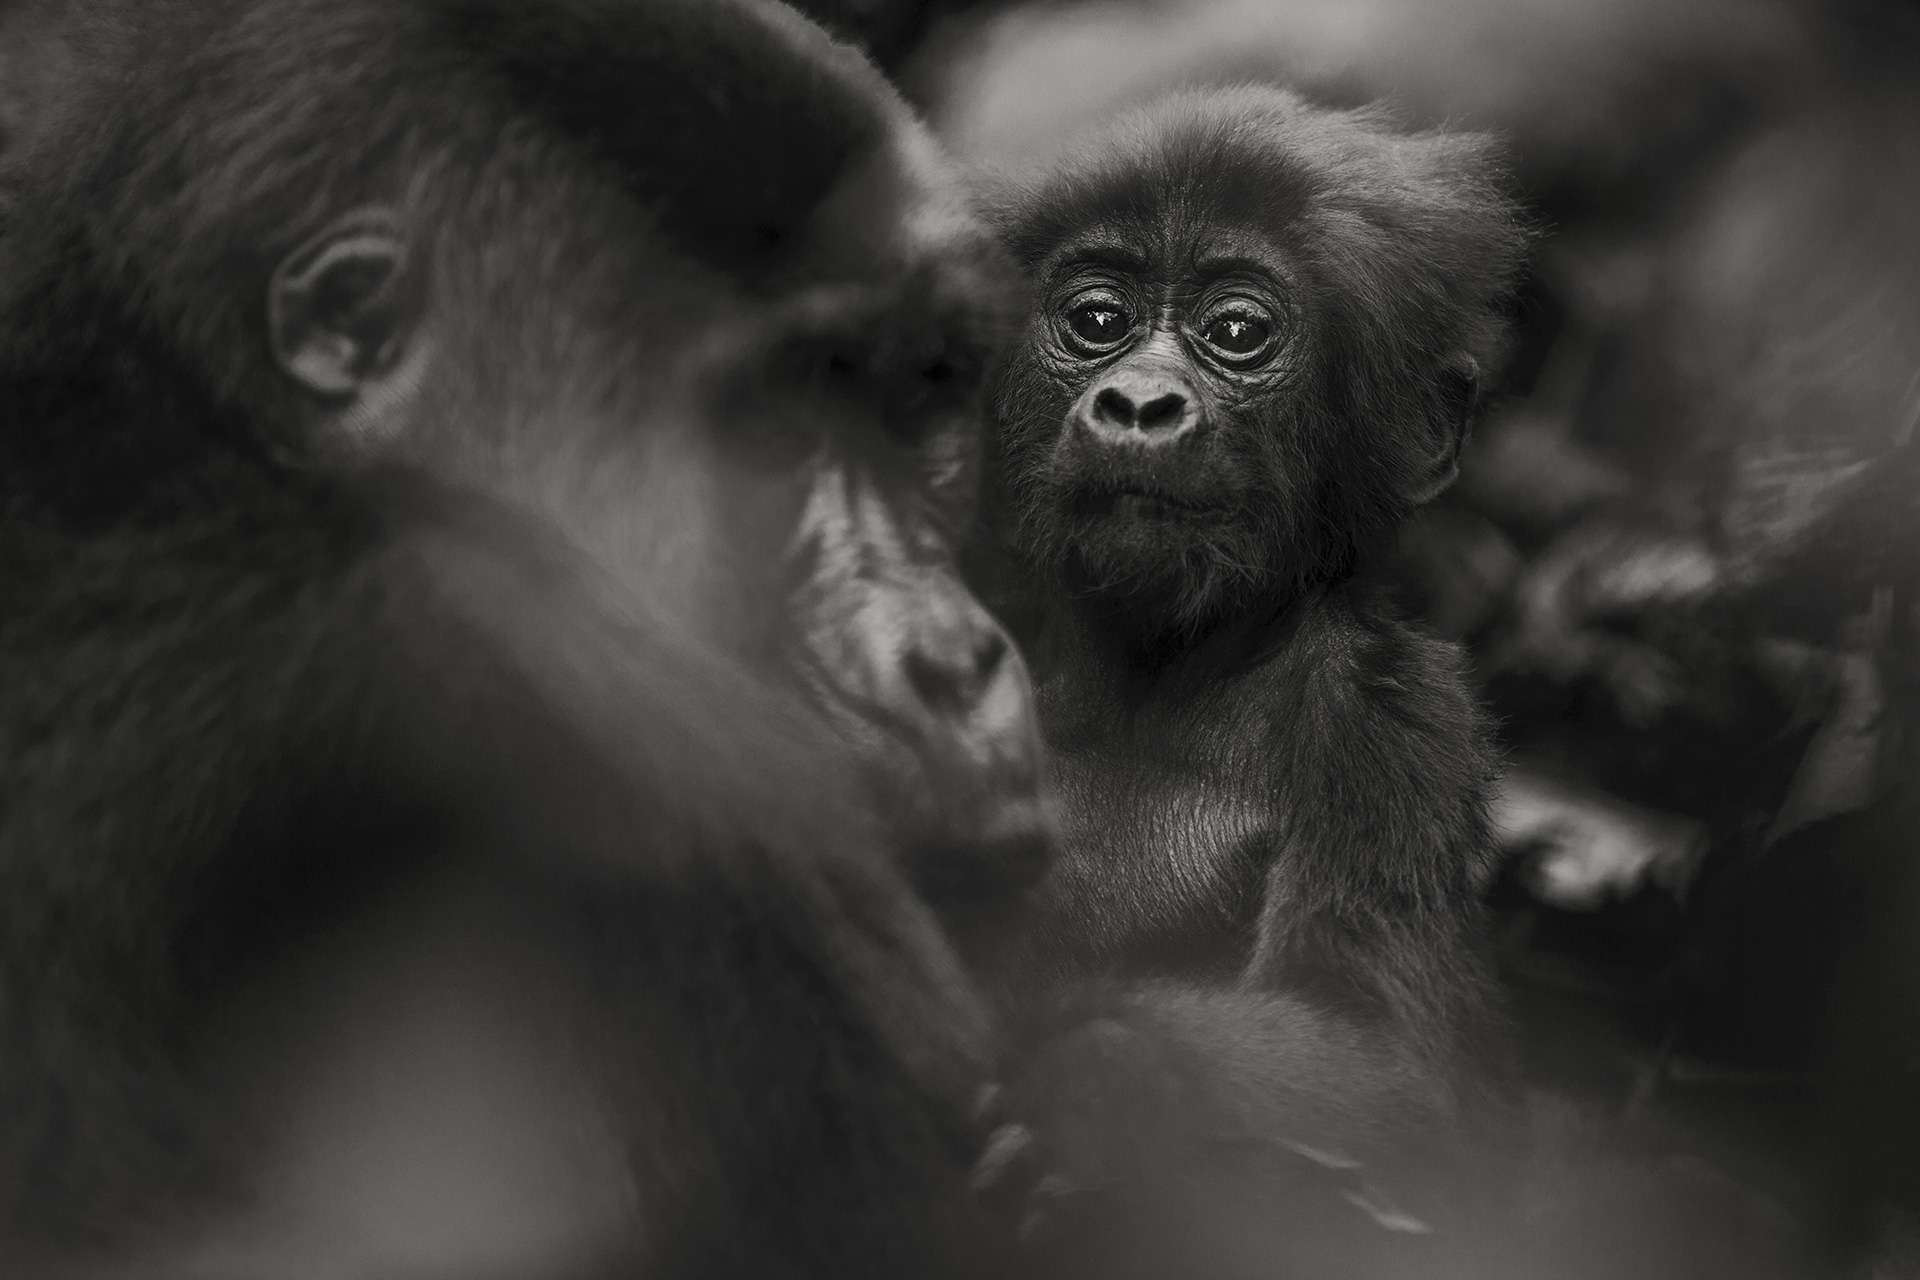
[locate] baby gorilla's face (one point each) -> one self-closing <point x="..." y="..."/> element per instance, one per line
<point x="1251" y="350"/>
<point x="1157" y="423"/>
<point x="1171" y="364"/>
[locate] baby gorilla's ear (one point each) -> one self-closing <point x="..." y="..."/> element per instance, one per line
<point x="1455" y="400"/>
<point x="340" y="312"/>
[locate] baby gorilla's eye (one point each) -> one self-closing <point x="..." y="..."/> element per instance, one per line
<point x="1099" y="323"/>
<point x="1239" y="330"/>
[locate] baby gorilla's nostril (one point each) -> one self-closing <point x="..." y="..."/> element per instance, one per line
<point x="1161" y="412"/>
<point x="1112" y="408"/>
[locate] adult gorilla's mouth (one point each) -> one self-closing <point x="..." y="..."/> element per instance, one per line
<point x="984" y="846"/>
<point x="1011" y="848"/>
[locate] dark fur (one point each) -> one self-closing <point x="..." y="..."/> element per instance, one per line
<point x="268" y="670"/>
<point x="1274" y="792"/>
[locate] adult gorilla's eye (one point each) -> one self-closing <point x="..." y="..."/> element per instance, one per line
<point x="1100" y="322"/>
<point x="1237" y="331"/>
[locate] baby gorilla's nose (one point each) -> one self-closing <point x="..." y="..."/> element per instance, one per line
<point x="1139" y="409"/>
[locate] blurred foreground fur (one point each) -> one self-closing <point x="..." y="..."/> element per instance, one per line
<point x="486" y="708"/>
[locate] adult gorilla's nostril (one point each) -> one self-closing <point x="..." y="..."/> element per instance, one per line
<point x="990" y="649"/>
<point x="952" y="669"/>
<point x="938" y="680"/>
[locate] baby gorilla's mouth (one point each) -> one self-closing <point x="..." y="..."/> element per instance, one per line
<point x="1135" y="501"/>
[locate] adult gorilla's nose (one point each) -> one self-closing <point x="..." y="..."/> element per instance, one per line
<point x="956" y="657"/>
<point x="992" y="826"/>
<point x="969" y="690"/>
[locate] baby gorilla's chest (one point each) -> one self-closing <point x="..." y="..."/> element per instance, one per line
<point x="1168" y="823"/>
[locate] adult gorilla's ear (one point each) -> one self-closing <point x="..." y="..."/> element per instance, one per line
<point x="341" y="308"/>
<point x="1456" y="399"/>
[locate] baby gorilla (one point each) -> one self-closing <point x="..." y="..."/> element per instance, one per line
<point x="1254" y="349"/>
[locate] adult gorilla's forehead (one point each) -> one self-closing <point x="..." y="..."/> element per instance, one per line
<point x="898" y="204"/>
<point x="733" y="173"/>
<point x="727" y="121"/>
<point x="807" y="167"/>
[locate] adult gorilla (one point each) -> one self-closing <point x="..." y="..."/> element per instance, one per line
<point x="486" y="704"/>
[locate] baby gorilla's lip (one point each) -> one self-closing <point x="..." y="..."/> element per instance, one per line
<point x="1137" y="500"/>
